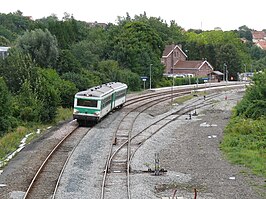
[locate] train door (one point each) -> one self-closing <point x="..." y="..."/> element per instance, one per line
<point x="113" y="101"/>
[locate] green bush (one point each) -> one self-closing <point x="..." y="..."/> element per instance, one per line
<point x="5" y="107"/>
<point x="245" y="143"/>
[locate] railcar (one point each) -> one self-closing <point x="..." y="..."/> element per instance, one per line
<point x="91" y="105"/>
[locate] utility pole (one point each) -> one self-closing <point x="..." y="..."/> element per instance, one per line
<point x="150" y="76"/>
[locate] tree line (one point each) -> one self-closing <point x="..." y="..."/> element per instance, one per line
<point x="51" y="59"/>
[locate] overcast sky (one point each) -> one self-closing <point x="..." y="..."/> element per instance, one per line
<point x="204" y="14"/>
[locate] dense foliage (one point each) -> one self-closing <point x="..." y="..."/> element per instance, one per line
<point x="51" y="59"/>
<point x="253" y="104"/>
<point x="245" y="136"/>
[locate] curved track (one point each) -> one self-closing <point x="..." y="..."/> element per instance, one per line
<point x="117" y="170"/>
<point x="46" y="179"/>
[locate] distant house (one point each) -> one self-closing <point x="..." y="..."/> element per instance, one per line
<point x="258" y="36"/>
<point x="3" y="51"/>
<point x="96" y="24"/>
<point x="261" y="44"/>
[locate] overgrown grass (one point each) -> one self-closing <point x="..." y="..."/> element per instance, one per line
<point x="245" y="143"/>
<point x="11" y="141"/>
<point x="182" y="99"/>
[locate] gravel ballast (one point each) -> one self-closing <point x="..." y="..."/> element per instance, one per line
<point x="188" y="150"/>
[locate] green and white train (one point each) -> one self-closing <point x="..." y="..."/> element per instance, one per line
<point x="93" y="104"/>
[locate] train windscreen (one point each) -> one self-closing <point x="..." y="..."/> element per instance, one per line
<point x="87" y="103"/>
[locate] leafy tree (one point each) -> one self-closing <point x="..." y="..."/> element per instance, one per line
<point x="108" y="70"/>
<point x="41" y="45"/>
<point x="136" y="46"/>
<point x="48" y="95"/>
<point x="83" y="80"/>
<point x="131" y="79"/>
<point x="256" y="52"/>
<point x="65" y="89"/>
<point x="258" y="65"/>
<point x="67" y="62"/>
<point x="227" y="57"/>
<point x="4" y="41"/>
<point x="28" y="106"/>
<point x="84" y="52"/>
<point x="253" y="104"/>
<point x="67" y="32"/>
<point x="16" y="69"/>
<point x="15" y="23"/>
<point x="245" y="32"/>
<point x="5" y="107"/>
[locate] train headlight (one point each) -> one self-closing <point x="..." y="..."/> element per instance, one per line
<point x="76" y="111"/>
<point x="97" y="113"/>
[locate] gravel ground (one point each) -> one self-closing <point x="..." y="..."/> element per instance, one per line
<point x="17" y="175"/>
<point x="188" y="150"/>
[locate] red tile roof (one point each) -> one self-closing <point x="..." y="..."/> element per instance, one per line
<point x="189" y="64"/>
<point x="261" y="44"/>
<point x="258" y="34"/>
<point x="169" y="49"/>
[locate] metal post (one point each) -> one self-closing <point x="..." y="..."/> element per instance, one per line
<point x="150" y="76"/>
<point x="157" y="165"/>
<point x="172" y="90"/>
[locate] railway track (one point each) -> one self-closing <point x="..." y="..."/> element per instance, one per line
<point x="125" y="143"/>
<point x="177" y="91"/>
<point x="117" y="170"/>
<point x="46" y="179"/>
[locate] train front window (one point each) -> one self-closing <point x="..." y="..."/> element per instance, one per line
<point x="87" y="103"/>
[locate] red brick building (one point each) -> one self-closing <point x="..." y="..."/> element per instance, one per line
<point x="174" y="60"/>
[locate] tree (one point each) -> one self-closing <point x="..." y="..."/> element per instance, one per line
<point x="28" y="106"/>
<point x="48" y="94"/>
<point x="83" y="80"/>
<point x="7" y="35"/>
<point x="65" y="89"/>
<point x="253" y="104"/>
<point x="4" y="41"/>
<point x="16" y="68"/>
<point x="5" y="108"/>
<point x="67" y="62"/>
<point x="256" y="52"/>
<point x="85" y="54"/>
<point x="15" y="23"/>
<point x="41" y="45"/>
<point x="245" y="32"/>
<point x="108" y="70"/>
<point x="227" y="55"/>
<point x="136" y="46"/>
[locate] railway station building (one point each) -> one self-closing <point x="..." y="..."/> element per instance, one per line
<point x="176" y="64"/>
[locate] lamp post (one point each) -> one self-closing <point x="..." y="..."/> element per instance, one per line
<point x="172" y="88"/>
<point x="225" y="72"/>
<point x="150" y="76"/>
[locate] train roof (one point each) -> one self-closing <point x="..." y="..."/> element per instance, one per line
<point x="102" y="90"/>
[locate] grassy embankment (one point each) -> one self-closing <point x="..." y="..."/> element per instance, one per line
<point x="244" y="143"/>
<point x="11" y="141"/>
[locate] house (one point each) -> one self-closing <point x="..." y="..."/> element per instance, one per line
<point x="258" y="36"/>
<point x="175" y="61"/>
<point x="171" y="55"/>
<point x="3" y="51"/>
<point x="261" y="44"/>
<point x="196" y="68"/>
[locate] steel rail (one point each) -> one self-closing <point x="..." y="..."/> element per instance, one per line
<point x="45" y="162"/>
